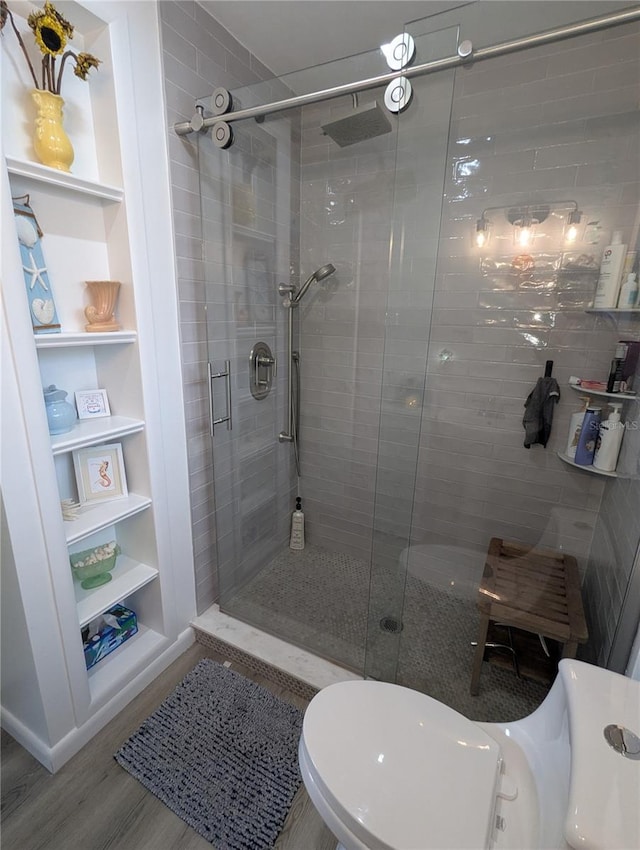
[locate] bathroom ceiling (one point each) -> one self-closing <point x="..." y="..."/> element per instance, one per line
<point x="288" y="35"/>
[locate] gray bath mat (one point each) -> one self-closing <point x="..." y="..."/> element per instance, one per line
<point x="222" y="753"/>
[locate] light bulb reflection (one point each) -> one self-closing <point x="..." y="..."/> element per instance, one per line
<point x="482" y="233"/>
<point x="571" y="234"/>
<point x="571" y="230"/>
<point x="524" y="235"/>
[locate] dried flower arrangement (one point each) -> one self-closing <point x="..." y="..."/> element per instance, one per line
<point x="51" y="32"/>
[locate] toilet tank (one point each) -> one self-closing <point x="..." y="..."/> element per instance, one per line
<point x="586" y="794"/>
<point x="603" y="808"/>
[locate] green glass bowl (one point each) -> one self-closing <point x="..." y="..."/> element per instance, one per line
<point x="93" y="566"/>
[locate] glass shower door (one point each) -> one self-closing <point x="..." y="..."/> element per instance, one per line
<point x="245" y="196"/>
<point x="423" y="133"/>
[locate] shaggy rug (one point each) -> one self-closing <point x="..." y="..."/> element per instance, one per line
<point x="222" y="753"/>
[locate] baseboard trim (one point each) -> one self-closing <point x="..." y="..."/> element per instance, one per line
<point x="53" y="758"/>
<point x="25" y="737"/>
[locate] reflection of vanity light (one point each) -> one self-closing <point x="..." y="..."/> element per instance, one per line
<point x="571" y="230"/>
<point x="524" y="233"/>
<point x="482" y="233"/>
<point x="525" y="221"/>
<point x="412" y="401"/>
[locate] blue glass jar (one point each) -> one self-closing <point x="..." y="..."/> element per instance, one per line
<point x="61" y="415"/>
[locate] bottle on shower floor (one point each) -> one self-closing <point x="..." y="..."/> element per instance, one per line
<point x="296" y="541"/>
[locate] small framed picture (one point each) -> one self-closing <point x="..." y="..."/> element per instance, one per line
<point x="92" y="404"/>
<point x="100" y="473"/>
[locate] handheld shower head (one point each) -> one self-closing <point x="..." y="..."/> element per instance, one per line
<point x="319" y="274"/>
<point x="324" y="271"/>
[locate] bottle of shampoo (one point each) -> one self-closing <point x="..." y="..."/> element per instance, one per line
<point x="609" y="441"/>
<point x="586" y="447"/>
<point x="611" y="265"/>
<point x="628" y="293"/>
<point x="296" y="541"/>
<point x="575" y="426"/>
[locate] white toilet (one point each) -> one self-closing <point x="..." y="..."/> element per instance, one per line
<point x="389" y="768"/>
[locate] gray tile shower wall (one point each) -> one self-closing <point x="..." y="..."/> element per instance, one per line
<point x="217" y="266"/>
<point x="494" y="327"/>
<point x="545" y="125"/>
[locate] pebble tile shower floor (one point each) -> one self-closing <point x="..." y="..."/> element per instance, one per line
<point x="318" y="600"/>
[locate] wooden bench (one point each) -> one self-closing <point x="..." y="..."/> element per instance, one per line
<point x="536" y="590"/>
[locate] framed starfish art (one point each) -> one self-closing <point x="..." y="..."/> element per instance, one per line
<point x="44" y="317"/>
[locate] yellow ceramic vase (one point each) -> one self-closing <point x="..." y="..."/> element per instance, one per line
<point x="50" y="142"/>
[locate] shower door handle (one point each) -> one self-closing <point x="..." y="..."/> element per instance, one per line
<point x="212" y="377"/>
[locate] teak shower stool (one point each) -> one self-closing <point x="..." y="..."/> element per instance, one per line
<point x="536" y="590"/>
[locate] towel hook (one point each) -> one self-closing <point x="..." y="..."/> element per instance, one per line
<point x="548" y="368"/>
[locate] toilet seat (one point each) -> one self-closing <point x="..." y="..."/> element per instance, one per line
<point x="400" y="770"/>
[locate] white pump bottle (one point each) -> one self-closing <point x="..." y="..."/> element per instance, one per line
<point x="296" y="540"/>
<point x="609" y="441"/>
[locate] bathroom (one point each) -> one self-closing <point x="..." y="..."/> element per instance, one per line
<point x="393" y="460"/>
<point x="414" y="356"/>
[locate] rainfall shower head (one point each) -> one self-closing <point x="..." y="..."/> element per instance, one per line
<point x="319" y="274"/>
<point x="365" y="122"/>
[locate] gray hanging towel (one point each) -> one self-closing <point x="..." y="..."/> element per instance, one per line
<point x="538" y="413"/>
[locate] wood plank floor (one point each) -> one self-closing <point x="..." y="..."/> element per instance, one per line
<point x="93" y="804"/>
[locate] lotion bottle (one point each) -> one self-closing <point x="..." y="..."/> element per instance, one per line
<point x="296" y="541"/>
<point x="611" y="265"/>
<point x="609" y="441"/>
<point x="588" y="436"/>
<point x="575" y="426"/>
<point x="628" y="293"/>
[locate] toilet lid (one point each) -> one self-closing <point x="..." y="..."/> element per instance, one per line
<point x="403" y="771"/>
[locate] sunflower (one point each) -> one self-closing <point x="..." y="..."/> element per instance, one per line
<point x="50" y="29"/>
<point x="51" y="32"/>
<point x="84" y="63"/>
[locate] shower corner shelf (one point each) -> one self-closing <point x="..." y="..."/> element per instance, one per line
<point x="619" y="311"/>
<point x="566" y="459"/>
<point x="603" y="393"/>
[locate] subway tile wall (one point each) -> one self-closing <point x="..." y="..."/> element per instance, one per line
<point x="557" y="122"/>
<point x="224" y="244"/>
<point x="553" y="123"/>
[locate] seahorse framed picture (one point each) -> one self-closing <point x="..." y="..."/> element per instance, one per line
<point x="100" y="474"/>
<point x="44" y="316"/>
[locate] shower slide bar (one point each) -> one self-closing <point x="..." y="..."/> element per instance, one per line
<point x="464" y="56"/>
